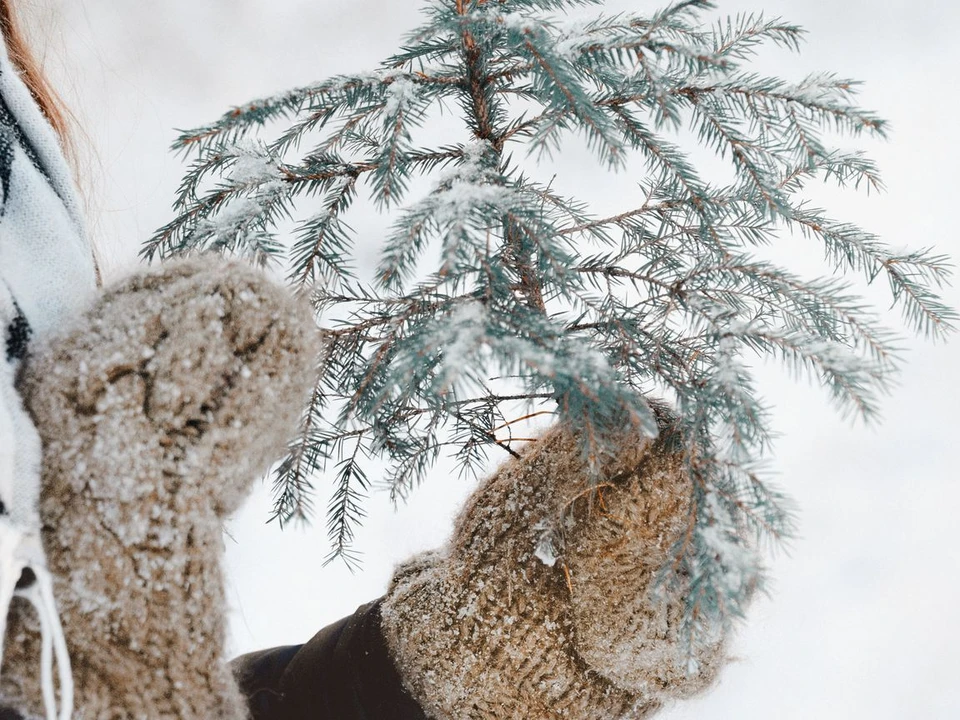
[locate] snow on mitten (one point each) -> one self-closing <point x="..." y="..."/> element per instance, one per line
<point x="156" y="414"/>
<point x="540" y="606"/>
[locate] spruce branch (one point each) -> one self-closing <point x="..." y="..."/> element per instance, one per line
<point x="495" y="296"/>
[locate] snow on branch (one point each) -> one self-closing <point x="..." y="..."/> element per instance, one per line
<point x="496" y="296"/>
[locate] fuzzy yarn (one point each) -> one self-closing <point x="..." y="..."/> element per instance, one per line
<point x="156" y="413"/>
<point x="540" y="606"/>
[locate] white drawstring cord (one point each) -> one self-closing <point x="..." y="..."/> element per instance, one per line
<point x="53" y="646"/>
<point x="64" y="673"/>
<point x="40" y="594"/>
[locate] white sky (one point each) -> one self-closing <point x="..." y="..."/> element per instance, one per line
<point x="862" y="621"/>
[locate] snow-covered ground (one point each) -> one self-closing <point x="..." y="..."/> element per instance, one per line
<point x="861" y="622"/>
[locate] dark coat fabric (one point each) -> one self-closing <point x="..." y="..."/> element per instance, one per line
<point x="344" y="672"/>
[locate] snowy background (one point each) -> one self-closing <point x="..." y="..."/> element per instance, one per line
<point x="862" y="621"/>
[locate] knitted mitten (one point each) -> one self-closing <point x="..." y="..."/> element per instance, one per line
<point x="541" y="605"/>
<point x="156" y="413"/>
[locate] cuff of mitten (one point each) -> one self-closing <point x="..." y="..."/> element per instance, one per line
<point x="345" y="672"/>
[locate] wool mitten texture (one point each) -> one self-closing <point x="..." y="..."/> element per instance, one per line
<point x="157" y="411"/>
<point x="545" y="602"/>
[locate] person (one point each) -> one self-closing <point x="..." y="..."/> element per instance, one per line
<point x="48" y="274"/>
<point x="494" y="625"/>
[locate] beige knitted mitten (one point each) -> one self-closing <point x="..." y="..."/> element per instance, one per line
<point x="540" y="606"/>
<point x="156" y="413"/>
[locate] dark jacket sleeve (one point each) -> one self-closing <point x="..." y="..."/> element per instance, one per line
<point x="344" y="672"/>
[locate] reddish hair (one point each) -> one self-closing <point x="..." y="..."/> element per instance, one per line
<point x="24" y="61"/>
<point x="40" y="88"/>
